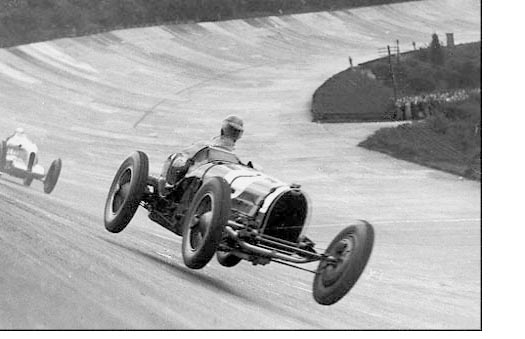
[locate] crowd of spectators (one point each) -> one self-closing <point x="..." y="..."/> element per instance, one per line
<point x="424" y="105"/>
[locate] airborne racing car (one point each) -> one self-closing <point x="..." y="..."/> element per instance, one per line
<point x="21" y="160"/>
<point x="223" y="207"/>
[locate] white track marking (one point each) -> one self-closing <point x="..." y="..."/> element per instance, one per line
<point x="36" y="53"/>
<point x="164" y="255"/>
<point x="53" y="53"/>
<point x="17" y="75"/>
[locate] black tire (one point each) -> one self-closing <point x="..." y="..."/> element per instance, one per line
<point x="29" y="175"/>
<point x="126" y="191"/>
<point x="227" y="259"/>
<point x="204" y="222"/>
<point x="52" y="176"/>
<point x="3" y="154"/>
<point x="352" y="247"/>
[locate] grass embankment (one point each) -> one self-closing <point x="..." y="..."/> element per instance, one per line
<point x="350" y="96"/>
<point x="449" y="141"/>
<point x="26" y="21"/>
<point x="366" y="92"/>
<point x="431" y="69"/>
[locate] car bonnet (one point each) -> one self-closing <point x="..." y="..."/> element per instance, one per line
<point x="250" y="188"/>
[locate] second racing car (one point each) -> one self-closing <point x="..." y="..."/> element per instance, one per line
<point x="19" y="158"/>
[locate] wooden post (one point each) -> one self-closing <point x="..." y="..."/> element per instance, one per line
<point x="397" y="52"/>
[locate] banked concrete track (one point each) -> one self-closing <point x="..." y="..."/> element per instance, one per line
<point x="92" y="100"/>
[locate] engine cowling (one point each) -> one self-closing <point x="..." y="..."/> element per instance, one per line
<point x="279" y="209"/>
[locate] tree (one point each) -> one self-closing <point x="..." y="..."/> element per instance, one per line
<point x="437" y="57"/>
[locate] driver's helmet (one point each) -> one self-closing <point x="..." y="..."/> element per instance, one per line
<point x="232" y="127"/>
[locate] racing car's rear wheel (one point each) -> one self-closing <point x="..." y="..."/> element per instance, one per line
<point x="29" y="174"/>
<point x="204" y="222"/>
<point x="126" y="192"/>
<point x="227" y="259"/>
<point x="3" y="154"/>
<point x="347" y="254"/>
<point x="52" y="176"/>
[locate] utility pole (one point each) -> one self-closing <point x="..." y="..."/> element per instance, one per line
<point x="392" y="73"/>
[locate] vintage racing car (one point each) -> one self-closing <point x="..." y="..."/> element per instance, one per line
<point x="223" y="207"/>
<point x="21" y="161"/>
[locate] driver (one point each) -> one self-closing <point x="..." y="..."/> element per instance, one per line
<point x="231" y="131"/>
<point x="18" y="145"/>
<point x="18" y="138"/>
<point x="177" y="164"/>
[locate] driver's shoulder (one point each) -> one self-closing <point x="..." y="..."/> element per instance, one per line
<point x="223" y="143"/>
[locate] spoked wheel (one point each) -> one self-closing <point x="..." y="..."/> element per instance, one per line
<point x="347" y="254"/>
<point x="227" y="259"/>
<point x="29" y="175"/>
<point x="204" y="222"/>
<point x="126" y="192"/>
<point x="52" y="176"/>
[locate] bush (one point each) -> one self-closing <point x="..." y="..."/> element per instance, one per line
<point x="422" y="83"/>
<point x="469" y="109"/>
<point x="419" y="77"/>
<point x="422" y="54"/>
<point x="471" y="75"/>
<point x="438" y="123"/>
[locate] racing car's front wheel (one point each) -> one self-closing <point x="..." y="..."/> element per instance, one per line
<point x="126" y="192"/>
<point x="204" y="222"/>
<point x="346" y="259"/>
<point x="52" y="176"/>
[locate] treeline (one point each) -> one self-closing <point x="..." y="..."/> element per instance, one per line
<point x="25" y="21"/>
